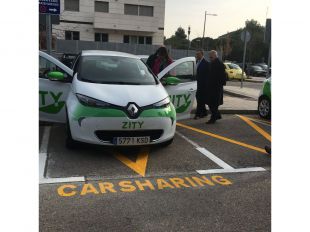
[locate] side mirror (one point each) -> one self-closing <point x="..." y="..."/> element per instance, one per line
<point x="55" y="76"/>
<point x="171" y="81"/>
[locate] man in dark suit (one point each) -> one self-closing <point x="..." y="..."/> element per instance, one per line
<point x="202" y="72"/>
<point x="215" y="82"/>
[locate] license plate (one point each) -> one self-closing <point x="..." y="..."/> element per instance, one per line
<point x="123" y="141"/>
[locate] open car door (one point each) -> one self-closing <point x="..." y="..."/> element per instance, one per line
<point x="182" y="89"/>
<point x="54" y="85"/>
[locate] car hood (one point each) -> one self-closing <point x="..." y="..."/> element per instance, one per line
<point x="121" y="95"/>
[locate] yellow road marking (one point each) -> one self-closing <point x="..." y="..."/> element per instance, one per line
<point x="259" y="120"/>
<point x="255" y="127"/>
<point x="127" y="186"/>
<point x="140" y="165"/>
<point x="223" y="138"/>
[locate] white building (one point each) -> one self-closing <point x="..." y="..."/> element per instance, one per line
<point x="119" y="21"/>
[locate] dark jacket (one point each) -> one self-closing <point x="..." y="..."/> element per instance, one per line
<point x="215" y="81"/>
<point x="201" y="76"/>
<point x="150" y="61"/>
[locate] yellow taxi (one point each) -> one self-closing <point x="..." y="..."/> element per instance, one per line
<point x="234" y="71"/>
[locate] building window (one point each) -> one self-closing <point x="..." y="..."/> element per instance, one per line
<point x="141" y="39"/>
<point x="72" y="5"/>
<point x="146" y="11"/>
<point x="101" y="6"/>
<point x="101" y="37"/>
<point x="126" y="39"/>
<point x="130" y="9"/>
<point x="72" y="35"/>
<point x="131" y="39"/>
<point x="148" y="40"/>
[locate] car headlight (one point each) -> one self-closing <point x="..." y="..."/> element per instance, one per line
<point x="88" y="101"/>
<point x="162" y="104"/>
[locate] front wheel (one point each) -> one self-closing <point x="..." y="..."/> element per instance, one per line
<point x="264" y="107"/>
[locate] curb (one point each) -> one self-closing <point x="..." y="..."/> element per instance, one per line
<point x="232" y="111"/>
<point x="254" y="81"/>
<point x="248" y="80"/>
<point x="238" y="94"/>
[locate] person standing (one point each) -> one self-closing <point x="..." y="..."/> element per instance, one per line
<point x="202" y="72"/>
<point x="214" y="86"/>
<point x="150" y="61"/>
<point x="162" y="60"/>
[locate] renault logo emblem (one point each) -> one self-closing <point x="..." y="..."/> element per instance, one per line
<point x="132" y="110"/>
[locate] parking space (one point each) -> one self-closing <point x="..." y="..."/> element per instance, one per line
<point x="215" y="176"/>
<point x="95" y="161"/>
<point x="231" y="140"/>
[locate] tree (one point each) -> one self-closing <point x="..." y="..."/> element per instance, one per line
<point x="180" y="33"/>
<point x="257" y="50"/>
<point x="178" y="40"/>
<point x="229" y="44"/>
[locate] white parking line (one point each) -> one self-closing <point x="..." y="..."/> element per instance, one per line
<point x="62" y="180"/>
<point x="214" y="158"/>
<point x="42" y="163"/>
<point x="213" y="171"/>
<point x="226" y="168"/>
<point x="45" y="139"/>
<point x="43" y="151"/>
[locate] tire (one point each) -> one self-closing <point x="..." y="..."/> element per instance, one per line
<point x="167" y="143"/>
<point x="264" y="107"/>
<point x="70" y="142"/>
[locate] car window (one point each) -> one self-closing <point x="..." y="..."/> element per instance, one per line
<point x="114" y="70"/>
<point x="184" y="71"/>
<point x="144" y="60"/>
<point x="233" y="66"/>
<point x="46" y="66"/>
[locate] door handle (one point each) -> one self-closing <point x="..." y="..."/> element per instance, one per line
<point x="191" y="90"/>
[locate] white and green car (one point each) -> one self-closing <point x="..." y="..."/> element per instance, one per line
<point x="112" y="98"/>
<point x="264" y="100"/>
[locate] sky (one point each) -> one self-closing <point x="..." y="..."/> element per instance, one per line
<point x="231" y="15"/>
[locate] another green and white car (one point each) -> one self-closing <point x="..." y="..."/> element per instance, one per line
<point x="112" y="98"/>
<point x="264" y="100"/>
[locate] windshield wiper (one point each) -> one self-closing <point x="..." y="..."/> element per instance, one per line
<point x="119" y="83"/>
<point x="87" y="80"/>
<point x="114" y="82"/>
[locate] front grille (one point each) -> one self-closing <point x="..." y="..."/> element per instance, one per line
<point x="109" y="135"/>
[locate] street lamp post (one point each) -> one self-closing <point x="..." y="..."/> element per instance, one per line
<point x="204" y="28"/>
<point x="189" y="42"/>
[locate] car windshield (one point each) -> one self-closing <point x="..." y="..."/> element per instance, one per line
<point x="233" y="66"/>
<point x="114" y="70"/>
<point x="257" y="67"/>
<point x="262" y="65"/>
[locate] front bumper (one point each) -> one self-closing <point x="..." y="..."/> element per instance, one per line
<point x="100" y="126"/>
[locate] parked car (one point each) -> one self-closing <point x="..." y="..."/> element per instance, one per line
<point x="68" y="59"/>
<point x="111" y="98"/>
<point x="234" y="71"/>
<point x="256" y="71"/>
<point x="263" y="66"/>
<point x="264" y="100"/>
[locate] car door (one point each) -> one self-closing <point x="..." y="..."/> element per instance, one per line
<point x="182" y="95"/>
<point x="53" y="94"/>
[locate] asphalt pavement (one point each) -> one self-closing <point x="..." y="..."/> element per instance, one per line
<point x="211" y="178"/>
